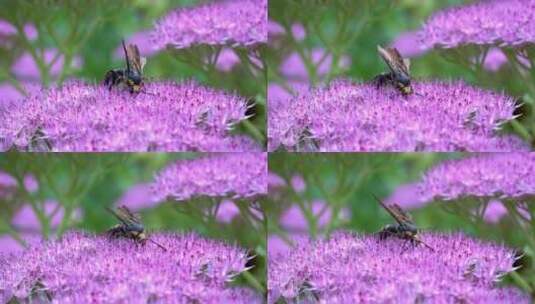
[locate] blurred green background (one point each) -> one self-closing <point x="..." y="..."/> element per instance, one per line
<point x="354" y="28"/>
<point x="90" y="182"/>
<point x="345" y="180"/>
<point x="92" y="31"/>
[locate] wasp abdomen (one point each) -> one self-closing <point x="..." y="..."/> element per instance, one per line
<point x="113" y="78"/>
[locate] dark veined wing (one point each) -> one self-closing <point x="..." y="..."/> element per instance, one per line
<point x="395" y="62"/>
<point x="128" y="214"/>
<point x="137" y="62"/>
<point x="396" y="212"/>
<point x="125" y="216"/>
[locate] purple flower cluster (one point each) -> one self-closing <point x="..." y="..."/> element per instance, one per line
<point x="408" y="45"/>
<point x="294" y="68"/>
<point x="495" y="22"/>
<point x="227" y="211"/>
<point x="83" y="268"/>
<point x="27" y="220"/>
<point x="137" y="197"/>
<point x="294" y="220"/>
<point x="26" y="68"/>
<point x="359" y="117"/>
<point x="499" y="176"/>
<point x="143" y="41"/>
<point x="169" y="117"/>
<point x="232" y="175"/>
<point x="350" y="268"/>
<point x="234" y="23"/>
<point x="7" y="30"/>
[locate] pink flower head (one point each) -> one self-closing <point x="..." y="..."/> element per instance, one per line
<point x="143" y="42"/>
<point x="408" y="45"/>
<point x="406" y="196"/>
<point x="494" y="60"/>
<point x="8" y="245"/>
<point x="227" y="60"/>
<point x="30" y="183"/>
<point x="8" y="94"/>
<point x="298" y="31"/>
<point x="494" y="212"/>
<point x="278" y="95"/>
<point x="348" y="116"/>
<point x="279" y="246"/>
<point x="84" y="268"/>
<point x="349" y="268"/>
<point x="26" y="220"/>
<point x="494" y="22"/>
<point x="298" y="183"/>
<point x="137" y="197"/>
<point x="487" y="176"/>
<point x="293" y="67"/>
<point x="8" y="184"/>
<point x="25" y="66"/>
<point x="294" y="219"/>
<point x="232" y="175"/>
<point x="169" y="117"/>
<point x="275" y="181"/>
<point x="6" y="28"/>
<point x="227" y="211"/>
<point x="274" y="29"/>
<point x="30" y="31"/>
<point x="234" y="23"/>
<point x="7" y="181"/>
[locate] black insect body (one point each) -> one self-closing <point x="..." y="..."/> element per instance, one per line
<point x="404" y="229"/>
<point x="132" y="76"/>
<point x="399" y="75"/>
<point x="130" y="227"/>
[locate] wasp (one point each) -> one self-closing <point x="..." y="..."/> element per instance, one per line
<point x="130" y="227"/>
<point x="398" y="76"/>
<point x="405" y="228"/>
<point x="132" y="77"/>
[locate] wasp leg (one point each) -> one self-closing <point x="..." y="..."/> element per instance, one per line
<point x="385" y="233"/>
<point x="404" y="245"/>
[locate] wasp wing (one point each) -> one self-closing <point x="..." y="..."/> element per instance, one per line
<point x="396" y="212"/>
<point x="395" y="62"/>
<point x="132" y="53"/>
<point x="124" y="215"/>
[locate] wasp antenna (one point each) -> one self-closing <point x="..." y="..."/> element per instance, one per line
<point x="116" y="215"/>
<point x="126" y="56"/>
<point x="377" y="199"/>
<point x="158" y="244"/>
<point x="426" y="245"/>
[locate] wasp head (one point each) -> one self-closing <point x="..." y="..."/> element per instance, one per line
<point x="135" y="83"/>
<point x="410" y="229"/>
<point x="403" y="84"/>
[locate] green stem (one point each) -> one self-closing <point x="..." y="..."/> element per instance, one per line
<point x="254" y="131"/>
<point x="253" y="281"/>
<point x="39" y="60"/>
<point x="520" y="129"/>
<point x="298" y="47"/>
<point x="520" y="281"/>
<point x="511" y="209"/>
